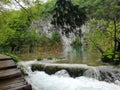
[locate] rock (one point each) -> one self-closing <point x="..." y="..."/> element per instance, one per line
<point x="62" y="73"/>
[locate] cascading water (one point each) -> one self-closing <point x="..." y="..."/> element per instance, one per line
<point x="106" y="73"/>
<point x="62" y="81"/>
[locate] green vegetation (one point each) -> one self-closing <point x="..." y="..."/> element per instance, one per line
<point x="13" y="56"/>
<point x="74" y="72"/>
<point x="39" y="57"/>
<point x="55" y="38"/>
<point x="17" y="36"/>
<point x="22" y="68"/>
<point x="77" y="42"/>
<point x="68" y="16"/>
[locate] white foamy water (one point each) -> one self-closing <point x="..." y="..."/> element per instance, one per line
<point x="43" y="81"/>
<point x="62" y="81"/>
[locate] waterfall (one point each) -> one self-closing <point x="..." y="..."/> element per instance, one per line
<point x="77" y="54"/>
<point x="66" y="41"/>
<point x="59" y="81"/>
<point x="104" y="73"/>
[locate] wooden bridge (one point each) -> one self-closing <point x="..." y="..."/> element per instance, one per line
<point x="10" y="76"/>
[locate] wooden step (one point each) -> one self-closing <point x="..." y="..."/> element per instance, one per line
<point x="9" y="73"/>
<point x="10" y="76"/>
<point x="7" y="64"/>
<point x="4" y="57"/>
<point x="15" y="84"/>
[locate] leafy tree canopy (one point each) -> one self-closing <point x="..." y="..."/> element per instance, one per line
<point x="68" y="16"/>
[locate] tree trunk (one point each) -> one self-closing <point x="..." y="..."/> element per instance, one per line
<point x="115" y="38"/>
<point x="97" y="47"/>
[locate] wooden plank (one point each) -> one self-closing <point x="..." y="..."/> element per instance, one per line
<point x="7" y="64"/>
<point x="18" y="83"/>
<point x="10" y="76"/>
<point x="11" y="81"/>
<point x="15" y="84"/>
<point x="12" y="86"/>
<point x="24" y="87"/>
<point x="9" y="73"/>
<point x="4" y="57"/>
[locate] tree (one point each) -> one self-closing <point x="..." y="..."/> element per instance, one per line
<point x="67" y="16"/>
<point x="109" y="11"/>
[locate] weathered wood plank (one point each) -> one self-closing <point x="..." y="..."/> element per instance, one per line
<point x="15" y="84"/>
<point x="9" y="73"/>
<point x="10" y="76"/>
<point x="11" y="81"/>
<point x="24" y="87"/>
<point x="7" y="64"/>
<point x="4" y="57"/>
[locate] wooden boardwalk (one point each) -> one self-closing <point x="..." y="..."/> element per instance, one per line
<point x="10" y="76"/>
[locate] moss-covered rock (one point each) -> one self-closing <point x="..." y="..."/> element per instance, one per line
<point x="22" y="68"/>
<point x="74" y="71"/>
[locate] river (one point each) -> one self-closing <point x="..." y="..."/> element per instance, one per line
<point x="42" y="81"/>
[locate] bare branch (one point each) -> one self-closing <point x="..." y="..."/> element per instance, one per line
<point x="21" y="6"/>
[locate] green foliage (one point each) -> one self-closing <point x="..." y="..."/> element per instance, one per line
<point x="39" y="57"/>
<point x="50" y="57"/>
<point x="20" y="22"/>
<point x="16" y="35"/>
<point x="109" y="57"/>
<point x="68" y="16"/>
<point x="99" y="9"/>
<point x="54" y="38"/>
<point x="43" y="39"/>
<point x="5" y="1"/>
<point x="110" y="29"/>
<point x="96" y="35"/>
<point x="42" y="10"/>
<point x="6" y="36"/>
<point x="14" y="30"/>
<point x="13" y="56"/>
<point x="77" y="42"/>
<point x="22" y="68"/>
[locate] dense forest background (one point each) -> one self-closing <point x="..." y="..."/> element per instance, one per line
<point x="18" y="33"/>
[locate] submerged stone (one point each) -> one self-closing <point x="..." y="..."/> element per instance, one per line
<point x="62" y="73"/>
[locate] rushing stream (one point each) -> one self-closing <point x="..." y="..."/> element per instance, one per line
<point x="94" y="78"/>
<point x="62" y="81"/>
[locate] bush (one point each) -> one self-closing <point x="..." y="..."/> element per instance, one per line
<point x="77" y="42"/>
<point x="54" y="38"/>
<point x="50" y="57"/>
<point x="110" y="57"/>
<point x="22" y="68"/>
<point x="13" y="56"/>
<point x="39" y="57"/>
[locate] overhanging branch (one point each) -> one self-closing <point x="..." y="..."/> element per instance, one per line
<point x="21" y="6"/>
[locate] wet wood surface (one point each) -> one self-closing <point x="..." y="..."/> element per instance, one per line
<point x="11" y="77"/>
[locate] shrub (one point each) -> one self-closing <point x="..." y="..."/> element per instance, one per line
<point x="110" y="57"/>
<point x="22" y="68"/>
<point x="13" y="56"/>
<point x="54" y="38"/>
<point x="39" y="57"/>
<point x="76" y="42"/>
